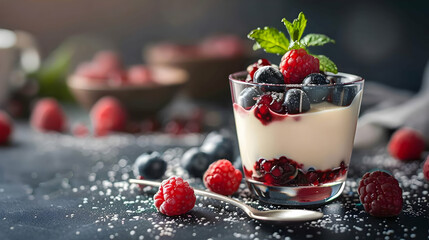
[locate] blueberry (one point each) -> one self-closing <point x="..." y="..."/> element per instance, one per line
<point x="248" y="97"/>
<point x="218" y="147"/>
<point x="343" y="96"/>
<point x="296" y="101"/>
<point x="315" y="79"/>
<point x="269" y="74"/>
<point x="150" y="165"/>
<point x="195" y="161"/>
<point x="311" y="86"/>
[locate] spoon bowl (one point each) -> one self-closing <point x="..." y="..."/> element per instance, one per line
<point x="287" y="215"/>
<point x="279" y="215"/>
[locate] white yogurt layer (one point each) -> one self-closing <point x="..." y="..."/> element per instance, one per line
<point x="321" y="138"/>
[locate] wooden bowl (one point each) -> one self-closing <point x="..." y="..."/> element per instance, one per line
<point x="208" y="76"/>
<point x="139" y="100"/>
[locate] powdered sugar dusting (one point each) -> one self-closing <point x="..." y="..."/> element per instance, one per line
<point x="90" y="195"/>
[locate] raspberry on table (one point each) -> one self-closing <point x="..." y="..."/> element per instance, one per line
<point x="108" y="115"/>
<point x="406" y="144"/>
<point x="380" y="194"/>
<point x="174" y="197"/>
<point x="296" y="64"/>
<point x="221" y="177"/>
<point x="426" y="169"/>
<point x="48" y="115"/>
<point x="6" y="127"/>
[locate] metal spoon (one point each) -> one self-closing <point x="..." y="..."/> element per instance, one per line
<point x="281" y="215"/>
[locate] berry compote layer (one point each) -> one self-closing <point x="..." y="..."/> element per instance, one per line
<point x="305" y="149"/>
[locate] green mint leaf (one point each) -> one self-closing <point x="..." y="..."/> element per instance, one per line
<point x="314" y="39"/>
<point x="326" y="65"/>
<point x="296" y="45"/>
<point x="270" y="39"/>
<point x="297" y="27"/>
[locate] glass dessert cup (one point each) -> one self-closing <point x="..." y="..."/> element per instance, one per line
<point x="300" y="158"/>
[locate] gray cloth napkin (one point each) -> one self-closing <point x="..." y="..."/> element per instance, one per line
<point x="389" y="108"/>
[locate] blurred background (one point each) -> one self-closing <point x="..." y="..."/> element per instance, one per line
<point x="383" y="41"/>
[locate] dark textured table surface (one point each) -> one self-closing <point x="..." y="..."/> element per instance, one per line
<point x="55" y="186"/>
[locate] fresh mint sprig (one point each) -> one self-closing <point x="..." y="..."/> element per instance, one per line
<point x="314" y="39"/>
<point x="274" y="41"/>
<point x="270" y="39"/>
<point x="296" y="28"/>
<point x="326" y="64"/>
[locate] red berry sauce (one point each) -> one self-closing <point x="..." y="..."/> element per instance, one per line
<point x="251" y="69"/>
<point x="267" y="107"/>
<point x="287" y="172"/>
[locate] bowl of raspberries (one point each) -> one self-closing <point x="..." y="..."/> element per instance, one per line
<point x="142" y="90"/>
<point x="208" y="62"/>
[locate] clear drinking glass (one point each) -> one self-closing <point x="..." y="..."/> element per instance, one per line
<point x="296" y="153"/>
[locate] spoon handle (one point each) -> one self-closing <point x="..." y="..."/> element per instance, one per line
<point x="216" y="196"/>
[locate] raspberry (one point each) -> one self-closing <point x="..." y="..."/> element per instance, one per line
<point x="109" y="61"/>
<point x="106" y="67"/>
<point x="426" y="169"/>
<point x="221" y="177"/>
<point x="91" y="72"/>
<point x="139" y="74"/>
<point x="5" y="127"/>
<point x="107" y="115"/>
<point x="380" y="194"/>
<point x="251" y="69"/>
<point x="174" y="197"/>
<point x="296" y="64"/>
<point x="47" y="115"/>
<point x="406" y="144"/>
<point x="117" y="78"/>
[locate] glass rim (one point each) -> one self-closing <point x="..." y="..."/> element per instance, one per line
<point x="233" y="78"/>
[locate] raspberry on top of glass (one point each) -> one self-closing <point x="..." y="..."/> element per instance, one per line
<point x="296" y="121"/>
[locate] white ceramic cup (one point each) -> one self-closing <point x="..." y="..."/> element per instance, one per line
<point x="19" y="55"/>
